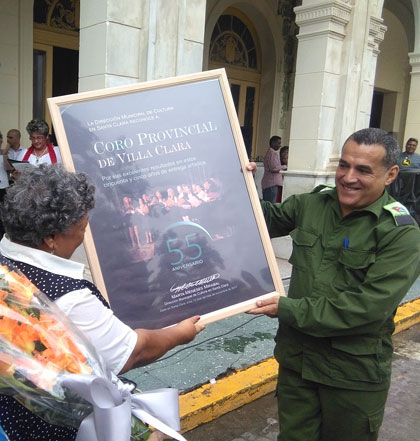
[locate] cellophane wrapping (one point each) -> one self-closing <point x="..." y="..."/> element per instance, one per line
<point x="38" y="346"/>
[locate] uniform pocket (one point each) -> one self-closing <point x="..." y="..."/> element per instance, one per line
<point x="353" y="266"/>
<point x="356" y="358"/>
<point x="357" y="345"/>
<point x="303" y="244"/>
<point x="356" y="259"/>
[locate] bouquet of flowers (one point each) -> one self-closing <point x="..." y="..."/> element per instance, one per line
<point x="39" y="347"/>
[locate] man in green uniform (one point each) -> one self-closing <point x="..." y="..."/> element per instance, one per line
<point x="356" y="252"/>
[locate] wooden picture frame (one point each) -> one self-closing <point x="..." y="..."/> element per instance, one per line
<point x="177" y="229"/>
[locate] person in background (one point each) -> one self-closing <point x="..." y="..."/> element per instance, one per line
<point x="284" y="159"/>
<point x="14" y="149"/>
<point x="45" y="215"/>
<point x="356" y="253"/>
<point x="272" y="179"/>
<point x="41" y="151"/>
<point x="409" y="158"/>
<point x="284" y="155"/>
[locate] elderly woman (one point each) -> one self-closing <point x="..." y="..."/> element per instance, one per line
<point x="45" y="215"/>
<point x="41" y="151"/>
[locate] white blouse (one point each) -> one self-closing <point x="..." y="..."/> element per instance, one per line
<point x="113" y="339"/>
<point x="44" y="159"/>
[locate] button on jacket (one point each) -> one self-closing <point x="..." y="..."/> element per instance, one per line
<point x="349" y="276"/>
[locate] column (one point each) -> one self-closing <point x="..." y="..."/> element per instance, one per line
<point x="124" y="42"/>
<point x="412" y="125"/>
<point x="175" y="38"/>
<point x="336" y="65"/>
<point x="364" y="34"/>
<point x="316" y="93"/>
<point x="16" y="63"/>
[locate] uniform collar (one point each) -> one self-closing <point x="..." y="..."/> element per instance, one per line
<point x="41" y="259"/>
<point x="375" y="208"/>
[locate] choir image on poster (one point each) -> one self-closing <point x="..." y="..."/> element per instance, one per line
<point x="147" y="215"/>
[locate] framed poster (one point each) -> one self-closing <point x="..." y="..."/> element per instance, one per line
<point x="177" y="229"/>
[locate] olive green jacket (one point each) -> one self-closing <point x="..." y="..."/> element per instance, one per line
<point x="349" y="276"/>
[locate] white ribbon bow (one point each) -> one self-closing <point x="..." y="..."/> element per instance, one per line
<point x="113" y="407"/>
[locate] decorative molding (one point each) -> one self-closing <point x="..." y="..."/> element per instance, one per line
<point x="328" y="33"/>
<point x="45" y="35"/>
<point x="61" y="14"/>
<point x="337" y="11"/>
<point x="415" y="63"/>
<point x="414" y="59"/>
<point x="229" y="49"/>
<point x="285" y="9"/>
<point x="376" y="34"/>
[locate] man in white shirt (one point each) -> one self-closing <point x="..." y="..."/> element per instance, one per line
<point x="13" y="148"/>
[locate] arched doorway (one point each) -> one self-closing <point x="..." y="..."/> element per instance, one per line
<point x="393" y="70"/>
<point x="234" y="46"/>
<point x="56" y="52"/>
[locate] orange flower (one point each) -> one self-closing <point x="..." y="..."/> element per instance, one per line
<point x="7" y="368"/>
<point x="17" y="329"/>
<point x="20" y="286"/>
<point x="24" y="337"/>
<point x="7" y="325"/>
<point x="47" y="345"/>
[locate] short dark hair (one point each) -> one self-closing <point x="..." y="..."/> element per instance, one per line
<point x="274" y="139"/>
<point x="44" y="201"/>
<point x="38" y="126"/>
<point x="372" y="136"/>
<point x="412" y="139"/>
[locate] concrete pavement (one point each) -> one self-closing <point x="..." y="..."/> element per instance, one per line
<point x="257" y="421"/>
<point x="230" y="364"/>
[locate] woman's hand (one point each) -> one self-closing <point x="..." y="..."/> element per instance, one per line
<point x="153" y="343"/>
<point x="188" y="329"/>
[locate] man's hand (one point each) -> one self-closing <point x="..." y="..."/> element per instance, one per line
<point x="269" y="307"/>
<point x="252" y="166"/>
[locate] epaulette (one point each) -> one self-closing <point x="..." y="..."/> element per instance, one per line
<point x="400" y="214"/>
<point x="322" y="187"/>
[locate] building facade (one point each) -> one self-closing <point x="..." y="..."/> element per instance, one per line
<point x="311" y="71"/>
